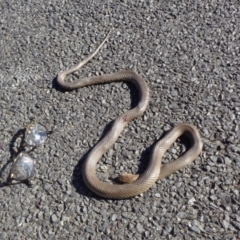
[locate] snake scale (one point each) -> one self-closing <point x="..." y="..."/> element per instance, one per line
<point x="134" y="184"/>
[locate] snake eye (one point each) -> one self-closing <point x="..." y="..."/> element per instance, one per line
<point x="36" y="135"/>
<point x="22" y="168"/>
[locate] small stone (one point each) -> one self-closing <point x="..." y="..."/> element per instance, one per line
<point x="54" y="218"/>
<point x="227" y="161"/>
<point x="237" y="218"/>
<point x="213" y="158"/>
<point x="236" y="225"/>
<point x="107" y="230"/>
<point x="213" y="197"/>
<point x="191" y="201"/>
<point x="228" y="208"/>
<point x="174" y="93"/>
<point x="127" y="215"/>
<point x="139" y="228"/>
<point x="114" y="217"/>
<point x="104" y="168"/>
<point x="175" y="229"/>
<point x="211" y="164"/>
<point x="195" y="229"/>
<point x="157" y="195"/>
<point x="181" y="215"/>
<point x="174" y="151"/>
<point x="167" y="229"/>
<point x="89" y="229"/>
<point x="64" y="218"/>
<point x="146" y="234"/>
<point x="40" y="214"/>
<point x="225" y="224"/>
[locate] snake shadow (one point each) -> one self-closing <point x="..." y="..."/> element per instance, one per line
<point x="57" y="87"/>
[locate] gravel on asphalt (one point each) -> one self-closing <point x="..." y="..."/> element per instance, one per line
<point x="188" y="52"/>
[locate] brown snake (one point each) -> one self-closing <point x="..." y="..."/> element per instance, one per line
<point x="135" y="184"/>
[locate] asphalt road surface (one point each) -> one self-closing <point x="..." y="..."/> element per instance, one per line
<point x="188" y="52"/>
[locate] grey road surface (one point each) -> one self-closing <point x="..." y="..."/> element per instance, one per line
<point x="188" y="52"/>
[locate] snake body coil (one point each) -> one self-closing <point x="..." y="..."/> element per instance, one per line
<point x="136" y="184"/>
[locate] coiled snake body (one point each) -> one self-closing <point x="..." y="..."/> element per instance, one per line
<point x="135" y="184"/>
